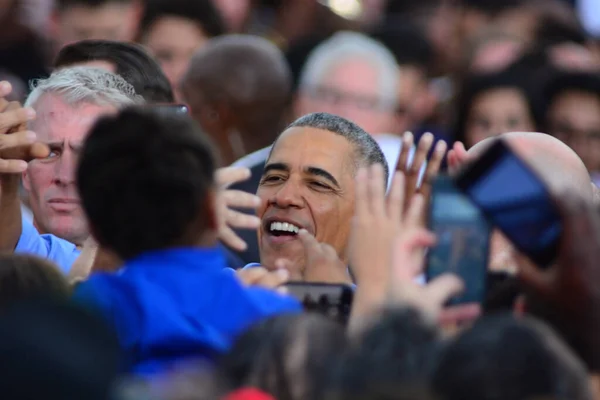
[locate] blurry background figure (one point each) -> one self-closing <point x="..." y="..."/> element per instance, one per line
<point x="26" y="278"/>
<point x="492" y="51"/>
<point x="236" y="13"/>
<point x="128" y="60"/>
<point x="174" y="29"/>
<point x="288" y="356"/>
<point x="74" y="20"/>
<point x="572" y="115"/>
<point x="238" y="88"/>
<point x="415" y="56"/>
<point x="352" y="76"/>
<point x="70" y="353"/>
<point x="493" y="104"/>
<point x="23" y="56"/>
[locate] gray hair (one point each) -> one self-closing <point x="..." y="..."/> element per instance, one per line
<point x="366" y="148"/>
<point x="85" y="85"/>
<point x="346" y="46"/>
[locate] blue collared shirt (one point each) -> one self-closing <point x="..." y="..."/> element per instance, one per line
<point x="62" y="252"/>
<point x="170" y="305"/>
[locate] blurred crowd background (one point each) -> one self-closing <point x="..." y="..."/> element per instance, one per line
<point x="465" y="69"/>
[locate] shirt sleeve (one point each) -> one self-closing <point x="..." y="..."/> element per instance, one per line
<point x="53" y="248"/>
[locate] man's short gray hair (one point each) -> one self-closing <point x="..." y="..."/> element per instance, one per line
<point x="349" y="46"/>
<point x="366" y="148"/>
<point x="85" y="85"/>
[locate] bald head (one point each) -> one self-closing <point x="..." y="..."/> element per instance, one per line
<point x="245" y="72"/>
<point x="555" y="162"/>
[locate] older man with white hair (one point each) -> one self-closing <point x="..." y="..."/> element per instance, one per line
<point x="63" y="108"/>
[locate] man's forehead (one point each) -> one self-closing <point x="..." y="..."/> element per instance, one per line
<point x="302" y="147"/>
<point x="56" y="118"/>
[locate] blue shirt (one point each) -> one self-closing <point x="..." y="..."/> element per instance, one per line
<point x="62" y="252"/>
<point x="172" y="305"/>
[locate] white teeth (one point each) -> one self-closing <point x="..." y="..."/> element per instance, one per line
<point x="284" y="227"/>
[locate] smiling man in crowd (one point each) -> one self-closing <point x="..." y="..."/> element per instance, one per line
<point x="308" y="183"/>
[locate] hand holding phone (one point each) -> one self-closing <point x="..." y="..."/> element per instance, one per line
<point x="515" y="200"/>
<point x="332" y="300"/>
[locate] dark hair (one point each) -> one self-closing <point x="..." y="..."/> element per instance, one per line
<point x="55" y="349"/>
<point x="504" y="358"/>
<point x="396" y="8"/>
<point x="564" y="81"/>
<point x="131" y="61"/>
<point x="249" y="74"/>
<point x="62" y="5"/>
<point x="477" y="84"/>
<point x="552" y="31"/>
<point x="400" y="348"/>
<point x="367" y="150"/>
<point x="25" y="277"/>
<point x="493" y="7"/>
<point x="144" y="181"/>
<point x="202" y="12"/>
<point x="408" y="43"/>
<point x="266" y="356"/>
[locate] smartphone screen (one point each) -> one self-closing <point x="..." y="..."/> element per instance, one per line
<point x="515" y="200"/>
<point x="463" y="237"/>
<point x="332" y="300"/>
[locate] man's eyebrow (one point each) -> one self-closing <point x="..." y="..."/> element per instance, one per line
<point x="55" y="143"/>
<point x="322" y="173"/>
<point x="276" y="167"/>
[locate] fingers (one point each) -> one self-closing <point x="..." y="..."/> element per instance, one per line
<point x="310" y="243"/>
<point x="457" y="156"/>
<point x="225" y="177"/>
<point x="240" y="199"/>
<point x="12" y="166"/>
<point x="230" y="239"/>
<point x="443" y="288"/>
<point x="421" y="154"/>
<point x="362" y="194"/>
<point x="435" y="162"/>
<point x="5" y="88"/>
<point x="376" y="189"/>
<point x="15" y="117"/>
<point x="407" y="144"/>
<point x="415" y="211"/>
<point x="395" y="198"/>
<point x="17" y="139"/>
<point x="459" y="314"/>
<point x="239" y="220"/>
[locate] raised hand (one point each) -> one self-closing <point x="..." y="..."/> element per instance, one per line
<point x="412" y="170"/>
<point x="321" y="262"/>
<point x="230" y="199"/>
<point x="567" y="295"/>
<point x="17" y="144"/>
<point x="457" y="157"/>
<point x="260" y="276"/>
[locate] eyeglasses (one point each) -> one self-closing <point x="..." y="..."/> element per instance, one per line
<point x="363" y="102"/>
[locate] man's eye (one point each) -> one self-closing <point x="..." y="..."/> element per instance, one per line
<point x="320" y="185"/>
<point x="272" y="178"/>
<point x="53" y="154"/>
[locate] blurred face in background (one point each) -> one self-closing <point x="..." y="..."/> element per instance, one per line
<point x="350" y="89"/>
<point x="234" y="12"/>
<point x="497" y="111"/>
<point x="173" y="40"/>
<point x="574" y="118"/>
<point x="110" y="21"/>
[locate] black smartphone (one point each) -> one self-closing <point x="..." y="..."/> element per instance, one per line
<point x="171" y="109"/>
<point x="515" y="199"/>
<point x="332" y="300"/>
<point x="463" y="240"/>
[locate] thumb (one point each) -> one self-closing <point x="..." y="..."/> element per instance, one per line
<point x="442" y="289"/>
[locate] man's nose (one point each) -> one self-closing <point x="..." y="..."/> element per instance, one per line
<point x="288" y="195"/>
<point x="65" y="168"/>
